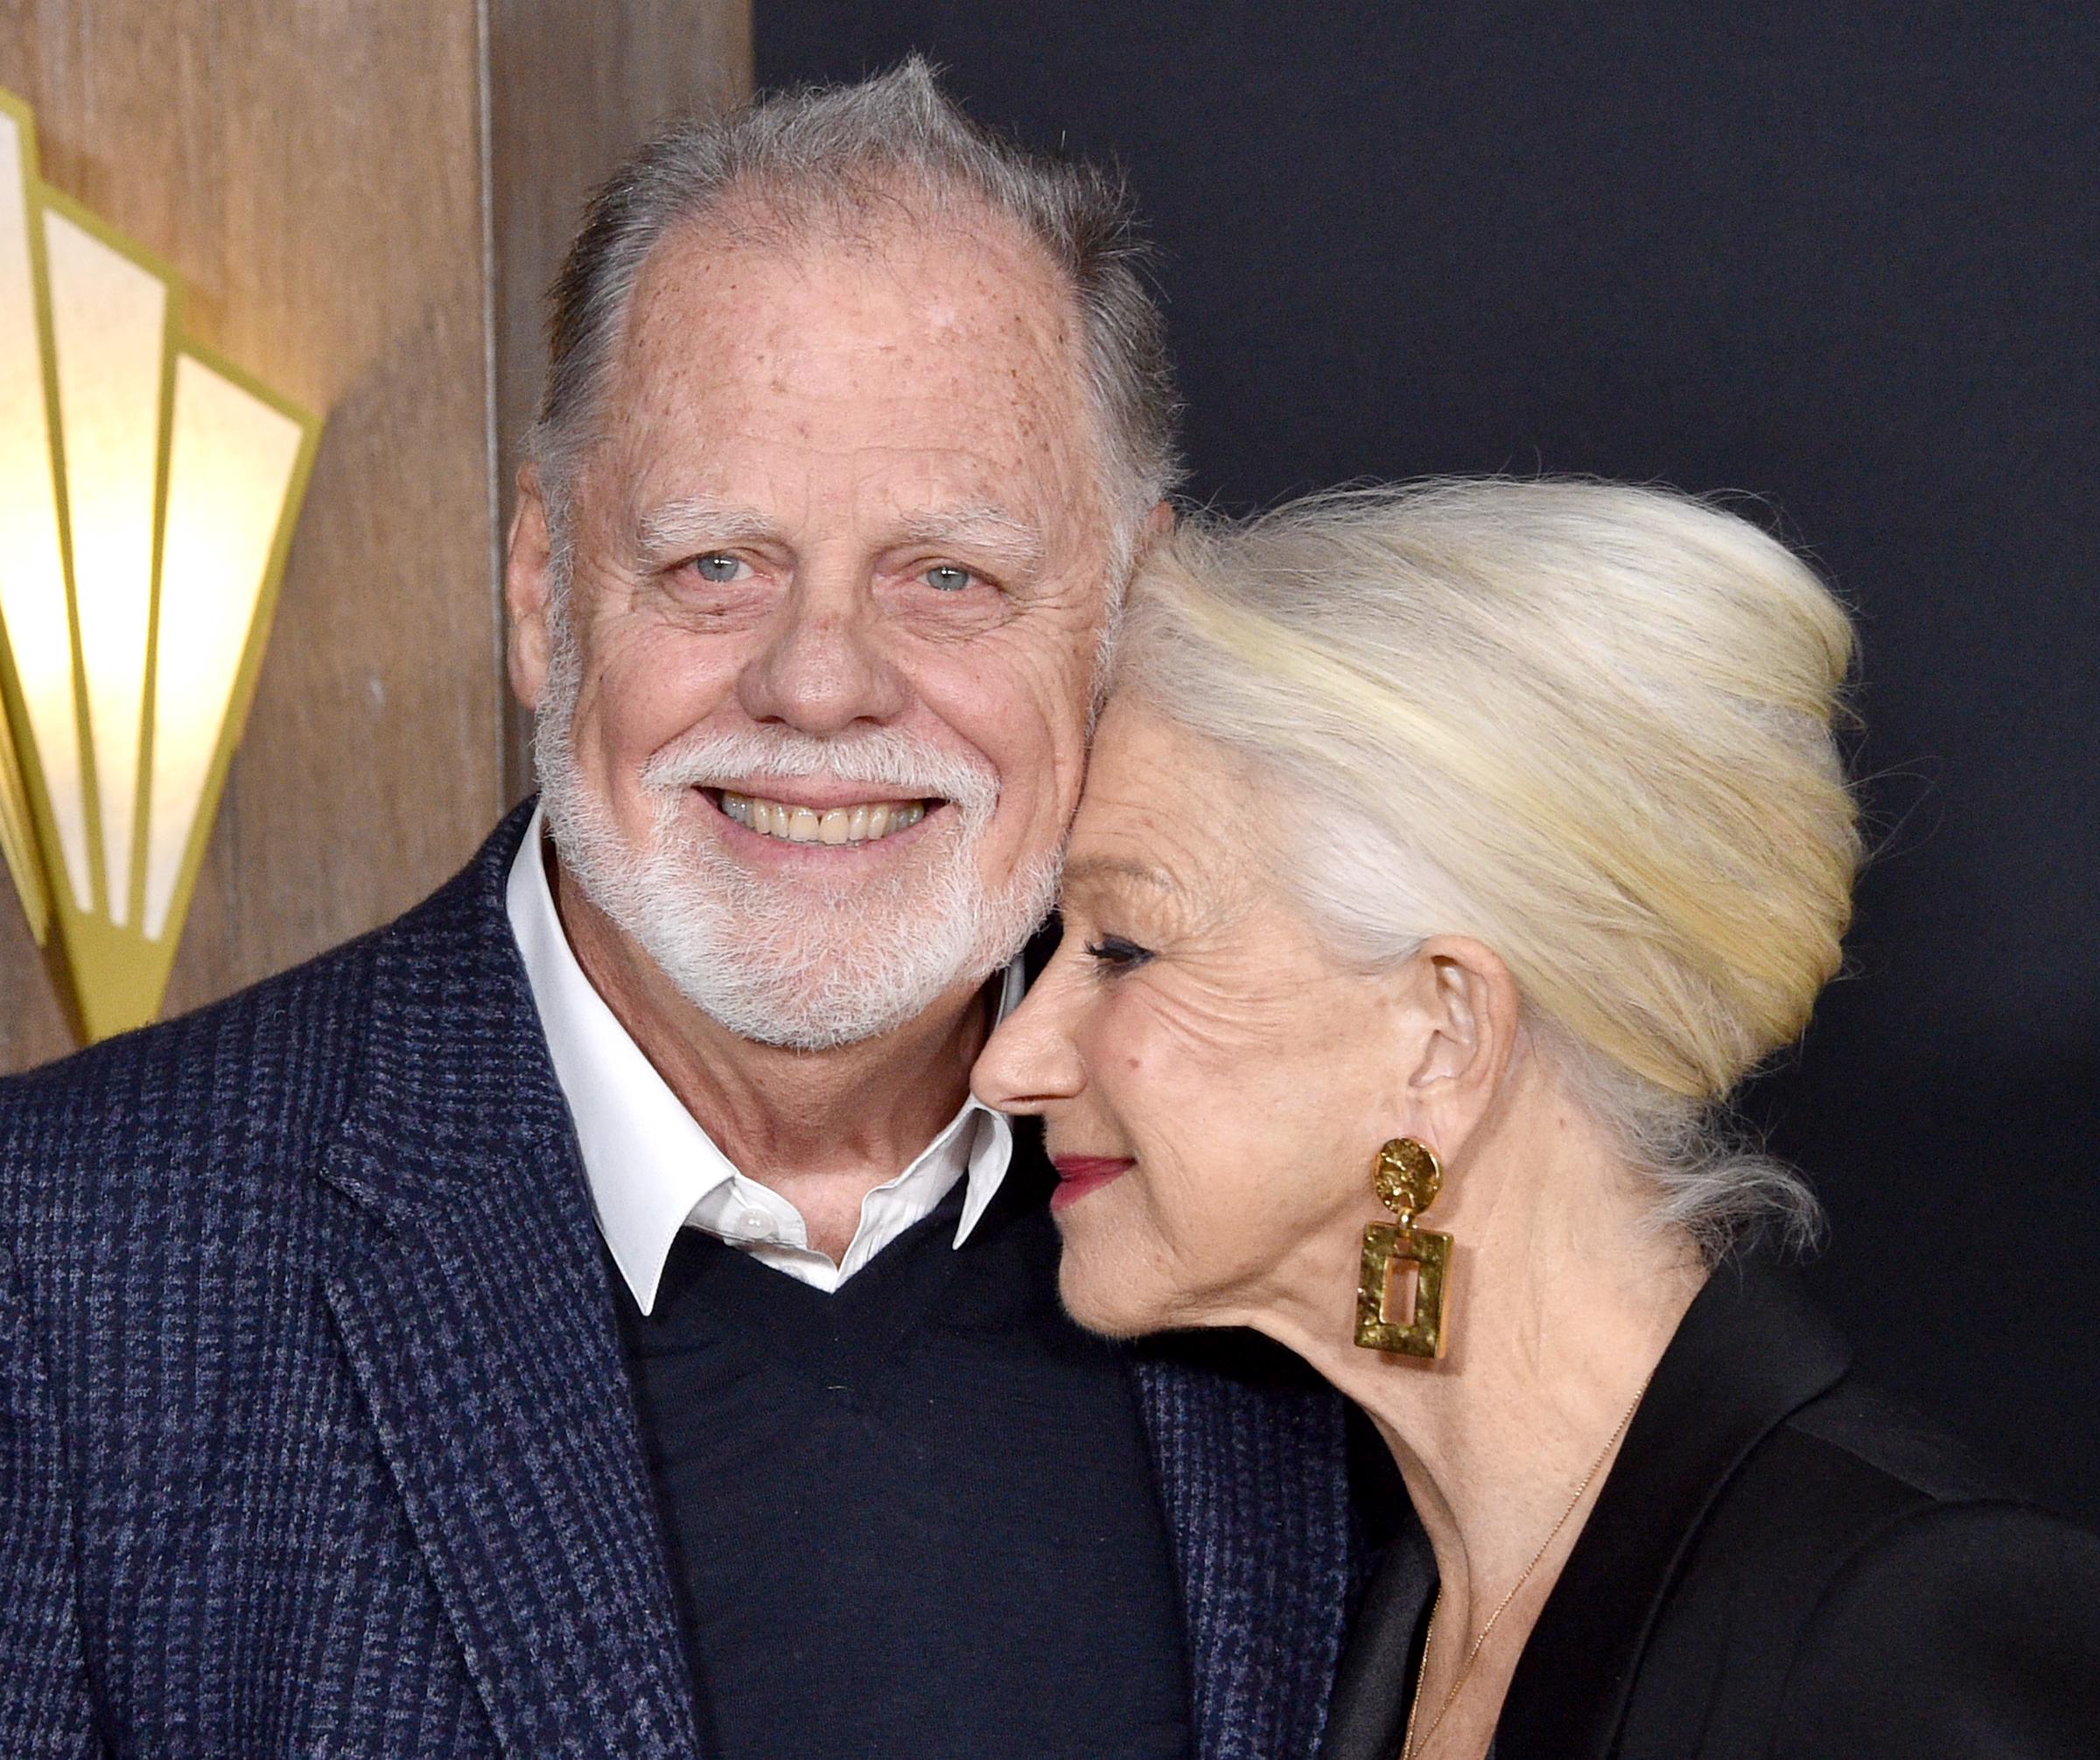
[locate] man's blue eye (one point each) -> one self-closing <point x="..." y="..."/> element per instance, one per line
<point x="946" y="577"/>
<point x="716" y="567"/>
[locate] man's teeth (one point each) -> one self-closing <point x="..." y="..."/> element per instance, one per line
<point x="861" y="825"/>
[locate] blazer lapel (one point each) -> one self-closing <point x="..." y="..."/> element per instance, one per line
<point x="1750" y="1351"/>
<point x="1368" y="1720"/>
<point x="476" y="1314"/>
<point x="1251" y="1460"/>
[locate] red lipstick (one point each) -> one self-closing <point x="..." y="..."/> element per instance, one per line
<point x="1079" y="1174"/>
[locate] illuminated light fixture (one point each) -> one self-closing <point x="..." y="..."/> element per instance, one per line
<point x="148" y="492"/>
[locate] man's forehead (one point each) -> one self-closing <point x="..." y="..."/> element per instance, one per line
<point x="943" y="281"/>
<point x="823" y="349"/>
<point x="926" y="376"/>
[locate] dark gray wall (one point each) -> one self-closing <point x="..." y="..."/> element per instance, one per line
<point x="1841" y="256"/>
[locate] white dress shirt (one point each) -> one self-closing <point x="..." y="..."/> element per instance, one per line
<point x="651" y="1170"/>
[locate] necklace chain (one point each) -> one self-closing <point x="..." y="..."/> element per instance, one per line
<point x="1407" y="1751"/>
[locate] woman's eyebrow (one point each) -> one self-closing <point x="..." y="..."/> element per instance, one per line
<point x="1086" y="868"/>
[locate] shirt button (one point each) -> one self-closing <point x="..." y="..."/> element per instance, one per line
<point x="757" y="1226"/>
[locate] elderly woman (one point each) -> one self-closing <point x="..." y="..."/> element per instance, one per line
<point x="1448" y="856"/>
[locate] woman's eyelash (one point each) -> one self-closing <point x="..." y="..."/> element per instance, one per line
<point x="1115" y="954"/>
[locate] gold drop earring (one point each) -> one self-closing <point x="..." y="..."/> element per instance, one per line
<point x="1407" y="1177"/>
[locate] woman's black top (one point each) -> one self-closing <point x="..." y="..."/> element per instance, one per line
<point x="1781" y="1563"/>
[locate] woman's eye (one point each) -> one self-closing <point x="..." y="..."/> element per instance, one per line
<point x="718" y="566"/>
<point x="1113" y="953"/>
<point x="945" y="577"/>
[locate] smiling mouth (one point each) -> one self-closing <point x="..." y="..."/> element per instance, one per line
<point x="1079" y="1174"/>
<point x="866" y="821"/>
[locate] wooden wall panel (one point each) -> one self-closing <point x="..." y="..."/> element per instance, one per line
<point x="324" y="178"/>
<point x="573" y="88"/>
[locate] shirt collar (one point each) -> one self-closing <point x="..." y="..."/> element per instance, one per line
<point x="648" y="1163"/>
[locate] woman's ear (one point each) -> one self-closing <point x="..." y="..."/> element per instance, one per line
<point x="1466" y="1002"/>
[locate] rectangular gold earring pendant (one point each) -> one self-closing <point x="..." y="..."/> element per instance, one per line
<point x="1389" y="1249"/>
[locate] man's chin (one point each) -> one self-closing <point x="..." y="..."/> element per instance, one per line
<point x="809" y="971"/>
<point x="798" y="958"/>
<point x="814" y="1011"/>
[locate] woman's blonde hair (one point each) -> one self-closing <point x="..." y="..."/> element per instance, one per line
<point x="1591" y="725"/>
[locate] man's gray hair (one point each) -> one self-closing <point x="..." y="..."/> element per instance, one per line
<point x="837" y="162"/>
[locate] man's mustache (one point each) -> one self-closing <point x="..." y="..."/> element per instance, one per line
<point x="904" y="764"/>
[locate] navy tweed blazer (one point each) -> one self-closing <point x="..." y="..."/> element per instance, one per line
<point x="315" y="1437"/>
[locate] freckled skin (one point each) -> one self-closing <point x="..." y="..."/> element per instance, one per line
<point x="841" y="395"/>
<point x="839" y="390"/>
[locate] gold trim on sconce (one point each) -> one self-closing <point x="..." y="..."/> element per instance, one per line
<point x="148" y="489"/>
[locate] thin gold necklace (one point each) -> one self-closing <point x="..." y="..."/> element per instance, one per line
<point x="1414" y="1706"/>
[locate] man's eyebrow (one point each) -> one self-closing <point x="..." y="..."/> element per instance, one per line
<point x="678" y="527"/>
<point x="1085" y="868"/>
<point x="978" y="526"/>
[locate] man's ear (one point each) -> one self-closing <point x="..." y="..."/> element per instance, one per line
<point x="528" y="584"/>
<point x="1468" y="1004"/>
<point x="1154" y="526"/>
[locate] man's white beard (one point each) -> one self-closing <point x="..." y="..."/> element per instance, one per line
<point x="798" y="963"/>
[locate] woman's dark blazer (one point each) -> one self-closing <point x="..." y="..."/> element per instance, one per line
<point x="1780" y="1563"/>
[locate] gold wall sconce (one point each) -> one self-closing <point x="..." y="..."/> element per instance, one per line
<point x="148" y="492"/>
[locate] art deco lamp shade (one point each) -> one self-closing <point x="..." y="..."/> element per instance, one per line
<point x="148" y="492"/>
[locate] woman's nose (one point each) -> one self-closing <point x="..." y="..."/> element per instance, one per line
<point x="1030" y="1062"/>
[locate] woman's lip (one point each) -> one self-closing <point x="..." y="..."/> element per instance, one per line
<point x="1089" y="1167"/>
<point x="1079" y="1174"/>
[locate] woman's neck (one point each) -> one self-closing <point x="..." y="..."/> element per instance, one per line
<point x="1559" y="1301"/>
<point x="1494" y="1440"/>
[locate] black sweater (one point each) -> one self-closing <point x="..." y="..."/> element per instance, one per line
<point x="914" y="1518"/>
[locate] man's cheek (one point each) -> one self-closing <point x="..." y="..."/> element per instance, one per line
<point x="650" y="694"/>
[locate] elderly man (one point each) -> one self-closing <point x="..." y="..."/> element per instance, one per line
<point x="588" y="1316"/>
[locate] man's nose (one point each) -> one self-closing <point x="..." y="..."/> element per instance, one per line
<point x="822" y="667"/>
<point x="1029" y="1063"/>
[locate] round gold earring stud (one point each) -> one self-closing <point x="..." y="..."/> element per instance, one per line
<point x="1407" y="1178"/>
